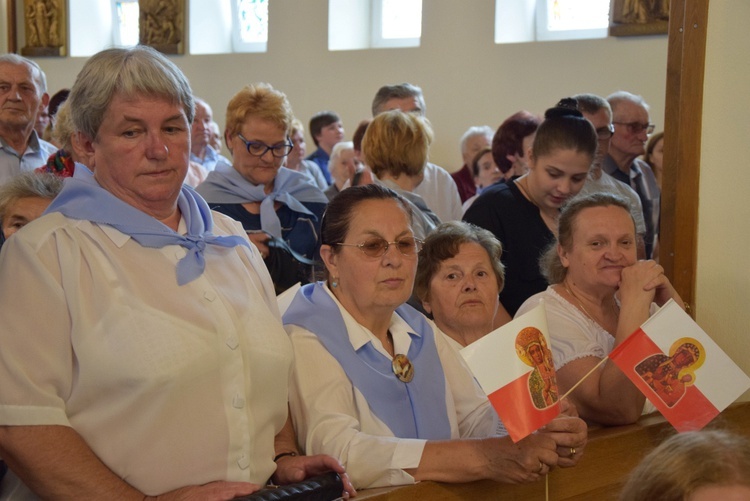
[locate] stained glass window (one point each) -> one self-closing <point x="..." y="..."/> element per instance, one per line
<point x="253" y="19"/>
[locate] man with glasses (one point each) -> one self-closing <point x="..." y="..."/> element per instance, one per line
<point x="632" y="127"/>
<point x="596" y="109"/>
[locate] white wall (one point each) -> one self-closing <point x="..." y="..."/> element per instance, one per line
<point x="723" y="275"/>
<point x="467" y="79"/>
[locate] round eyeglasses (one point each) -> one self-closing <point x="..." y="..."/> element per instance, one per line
<point x="377" y="247"/>
<point x="259" y="148"/>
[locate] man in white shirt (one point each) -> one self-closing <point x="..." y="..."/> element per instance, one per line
<point x="437" y="189"/>
<point x="23" y="95"/>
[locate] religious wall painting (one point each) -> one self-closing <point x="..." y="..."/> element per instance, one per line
<point x="638" y="17"/>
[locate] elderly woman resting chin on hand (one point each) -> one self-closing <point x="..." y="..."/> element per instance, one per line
<point x="376" y="384"/>
<point x="601" y="295"/>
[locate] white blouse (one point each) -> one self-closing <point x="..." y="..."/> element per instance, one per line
<point x="332" y="417"/>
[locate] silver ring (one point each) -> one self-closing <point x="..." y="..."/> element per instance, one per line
<point x="541" y="467"/>
<point x="572" y="451"/>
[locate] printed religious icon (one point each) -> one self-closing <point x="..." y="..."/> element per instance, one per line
<point x="402" y="368"/>
<point x="532" y="349"/>
<point x="669" y="376"/>
<point x="638" y="17"/>
<point x="45" y="23"/>
<point x="161" y="25"/>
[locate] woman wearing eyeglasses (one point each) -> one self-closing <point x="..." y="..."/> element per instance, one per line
<point x="278" y="207"/>
<point x="375" y="383"/>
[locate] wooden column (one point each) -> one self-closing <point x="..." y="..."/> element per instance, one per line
<point x="682" y="144"/>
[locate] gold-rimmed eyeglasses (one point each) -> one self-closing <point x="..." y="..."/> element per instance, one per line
<point x="377" y="247"/>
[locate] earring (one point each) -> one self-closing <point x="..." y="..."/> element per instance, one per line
<point x="334" y="283"/>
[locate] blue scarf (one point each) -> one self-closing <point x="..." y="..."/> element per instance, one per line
<point x="225" y="185"/>
<point x="411" y="410"/>
<point x="83" y="198"/>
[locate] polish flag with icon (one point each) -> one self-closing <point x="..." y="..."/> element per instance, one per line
<point x="680" y="369"/>
<point x="513" y="364"/>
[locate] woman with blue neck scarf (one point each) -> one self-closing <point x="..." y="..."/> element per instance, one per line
<point x="279" y="208"/>
<point x="375" y="383"/>
<point x="158" y="365"/>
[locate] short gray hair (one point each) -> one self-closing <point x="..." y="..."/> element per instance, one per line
<point x="40" y="79"/>
<point x="621" y="96"/>
<point x="397" y="91"/>
<point x="27" y="185"/>
<point x="476" y="130"/>
<point x="130" y="72"/>
<point x="338" y="148"/>
<point x="591" y="104"/>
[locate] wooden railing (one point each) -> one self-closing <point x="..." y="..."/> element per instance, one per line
<point x="610" y="455"/>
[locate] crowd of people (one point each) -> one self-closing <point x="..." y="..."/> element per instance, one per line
<point x="161" y="364"/>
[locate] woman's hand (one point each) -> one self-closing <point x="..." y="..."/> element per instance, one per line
<point x="213" y="491"/>
<point x="260" y="239"/>
<point x="526" y="461"/>
<point x="570" y="435"/>
<point x="638" y="282"/>
<point x="662" y="287"/>
<point x="290" y="469"/>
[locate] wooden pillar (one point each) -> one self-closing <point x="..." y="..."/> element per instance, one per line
<point x="682" y="143"/>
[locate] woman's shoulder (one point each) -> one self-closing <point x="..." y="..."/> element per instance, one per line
<point x="555" y="305"/>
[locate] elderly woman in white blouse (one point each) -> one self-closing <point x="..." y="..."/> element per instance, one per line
<point x="374" y="381"/>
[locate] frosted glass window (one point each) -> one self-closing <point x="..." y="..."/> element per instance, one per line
<point x="401" y="19"/>
<point x="577" y="14"/>
<point x="126" y="33"/>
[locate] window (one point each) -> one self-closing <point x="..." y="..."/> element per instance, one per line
<point x="545" y="20"/>
<point x="365" y="24"/>
<point x="126" y="23"/>
<point x="572" y="19"/>
<point x="250" y="25"/>
<point x="396" y="23"/>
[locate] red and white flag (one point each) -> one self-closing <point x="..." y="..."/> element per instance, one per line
<point x="513" y="364"/>
<point x="680" y="369"/>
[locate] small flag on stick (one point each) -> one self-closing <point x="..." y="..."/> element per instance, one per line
<point x="513" y="364"/>
<point x="680" y="369"/>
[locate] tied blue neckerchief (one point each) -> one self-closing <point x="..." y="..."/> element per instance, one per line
<point x="83" y="198"/>
<point x="411" y="410"/>
<point x="225" y="185"/>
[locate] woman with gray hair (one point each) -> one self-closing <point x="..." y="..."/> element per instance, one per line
<point x="164" y="368"/>
<point x="600" y="294"/>
<point x="459" y="277"/>
<point x="342" y="166"/>
<point x="24" y="198"/>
